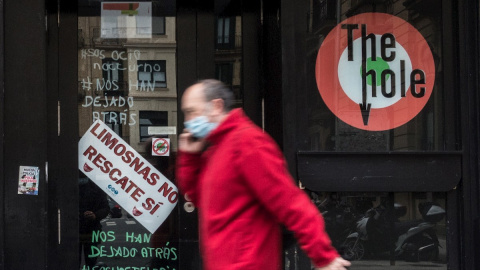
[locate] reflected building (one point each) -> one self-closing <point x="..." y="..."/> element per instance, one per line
<point x="228" y="46"/>
<point x="228" y="53"/>
<point x="129" y="83"/>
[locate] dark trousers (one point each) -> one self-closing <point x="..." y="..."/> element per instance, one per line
<point x="85" y="248"/>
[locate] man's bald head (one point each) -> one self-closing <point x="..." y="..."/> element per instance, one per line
<point x="214" y="89"/>
<point x="197" y="97"/>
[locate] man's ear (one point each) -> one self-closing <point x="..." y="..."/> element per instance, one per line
<point x="218" y="106"/>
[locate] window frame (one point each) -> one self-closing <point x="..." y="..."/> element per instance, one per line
<point x="164" y="118"/>
<point x="163" y="66"/>
<point x="230" y="44"/>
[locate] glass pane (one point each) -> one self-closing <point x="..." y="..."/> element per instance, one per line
<point x="144" y="76"/>
<point x="158" y="25"/>
<point x="115" y="75"/>
<point x="151" y="119"/>
<point x="220" y="30"/>
<point x="228" y="50"/>
<point x="159" y="76"/>
<point x="226" y="33"/>
<point x="405" y="50"/>
<point x="365" y="60"/>
<point x="120" y="224"/>
<point x="379" y="230"/>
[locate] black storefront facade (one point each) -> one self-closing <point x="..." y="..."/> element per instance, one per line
<point x="63" y="69"/>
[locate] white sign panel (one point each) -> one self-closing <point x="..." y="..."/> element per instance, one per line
<point x="169" y="130"/>
<point x="126" y="176"/>
<point x="126" y="20"/>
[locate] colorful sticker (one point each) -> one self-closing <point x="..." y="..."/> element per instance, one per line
<point x="160" y="147"/>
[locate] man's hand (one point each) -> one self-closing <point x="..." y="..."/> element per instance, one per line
<point x="89" y="215"/>
<point x="187" y="143"/>
<point x="337" y="264"/>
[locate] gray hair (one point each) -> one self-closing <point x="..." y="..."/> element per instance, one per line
<point x="214" y="89"/>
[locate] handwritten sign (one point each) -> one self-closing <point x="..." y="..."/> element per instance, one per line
<point x="167" y="252"/>
<point x="126" y="176"/>
<point x="119" y="106"/>
<point x="134" y="246"/>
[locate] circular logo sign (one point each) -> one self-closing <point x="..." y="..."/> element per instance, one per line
<point x="160" y="147"/>
<point x="375" y="71"/>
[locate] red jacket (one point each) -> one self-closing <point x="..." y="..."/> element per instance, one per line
<point x="243" y="191"/>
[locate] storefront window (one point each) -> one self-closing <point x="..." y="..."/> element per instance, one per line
<point x="376" y="83"/>
<point x="127" y="80"/>
<point x="330" y="129"/>
<point x="385" y="229"/>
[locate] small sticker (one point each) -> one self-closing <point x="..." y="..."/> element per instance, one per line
<point x="160" y="147"/>
<point x="28" y="180"/>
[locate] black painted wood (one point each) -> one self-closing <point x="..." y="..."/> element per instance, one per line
<point x="25" y="133"/>
<point x="251" y="70"/>
<point x="62" y="74"/>
<point x="186" y="32"/>
<point x="468" y="82"/>
<point x="205" y="38"/>
<point x="2" y="105"/>
<point x="380" y="172"/>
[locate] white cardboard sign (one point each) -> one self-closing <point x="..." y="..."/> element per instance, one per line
<point x="126" y="176"/>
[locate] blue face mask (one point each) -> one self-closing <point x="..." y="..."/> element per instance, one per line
<point x="200" y="127"/>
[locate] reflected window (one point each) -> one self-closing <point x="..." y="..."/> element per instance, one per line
<point x="158" y="25"/>
<point x="225" y="32"/>
<point x="324" y="131"/>
<point x="112" y="120"/>
<point x="224" y="73"/>
<point x="123" y="49"/>
<point x="153" y="72"/>
<point x="112" y="72"/>
<point x="377" y="228"/>
<point x="151" y="118"/>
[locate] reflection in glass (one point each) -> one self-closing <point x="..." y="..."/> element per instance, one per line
<point x="112" y="120"/>
<point x="228" y="46"/>
<point x="150" y="119"/>
<point x="383" y="229"/>
<point x="127" y="79"/>
<point x="93" y="207"/>
<point x="325" y="132"/>
<point x="379" y="230"/>
<point x="152" y="72"/>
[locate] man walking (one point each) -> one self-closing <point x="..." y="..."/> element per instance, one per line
<point x="237" y="177"/>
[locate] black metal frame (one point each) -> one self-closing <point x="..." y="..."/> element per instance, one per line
<point x="2" y="106"/>
<point x="468" y="52"/>
<point x="380" y="172"/>
<point x="195" y="61"/>
<point x="63" y="134"/>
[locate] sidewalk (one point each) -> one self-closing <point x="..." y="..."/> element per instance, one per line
<point x="403" y="265"/>
<point x="399" y="265"/>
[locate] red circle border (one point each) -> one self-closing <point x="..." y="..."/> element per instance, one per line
<point x="340" y="104"/>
